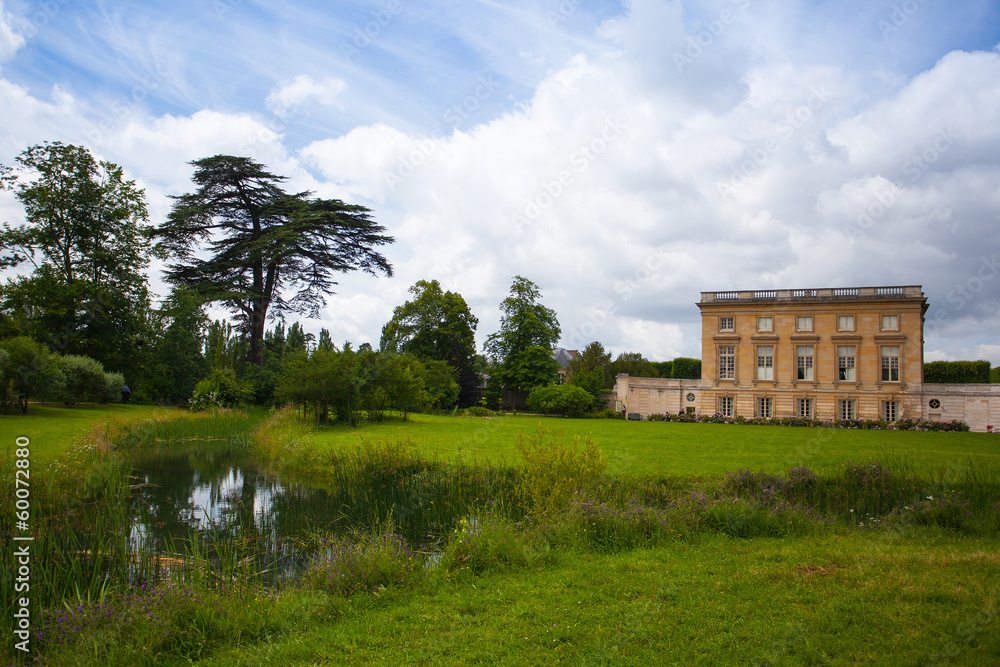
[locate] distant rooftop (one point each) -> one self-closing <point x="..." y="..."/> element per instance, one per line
<point x="822" y="294"/>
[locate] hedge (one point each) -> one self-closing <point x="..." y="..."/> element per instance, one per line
<point x="957" y="372"/>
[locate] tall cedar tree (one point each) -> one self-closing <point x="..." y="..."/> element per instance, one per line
<point x="262" y="242"/>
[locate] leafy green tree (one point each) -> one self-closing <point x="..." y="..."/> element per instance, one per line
<point x="225" y="347"/>
<point x="592" y="367"/>
<point x="522" y="348"/>
<point x="439" y="381"/>
<point x="664" y="369"/>
<point x="437" y="325"/>
<point x="634" y="364"/>
<point x="686" y="368"/>
<point x="87" y="238"/>
<point x="268" y="252"/>
<point x="83" y="218"/>
<point x="177" y="360"/>
<point x="325" y="342"/>
<point x="324" y="380"/>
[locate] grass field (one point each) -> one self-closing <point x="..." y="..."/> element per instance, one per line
<point x="52" y="429"/>
<point x="829" y="591"/>
<point x="671" y="448"/>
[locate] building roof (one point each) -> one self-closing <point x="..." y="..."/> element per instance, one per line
<point x="825" y="294"/>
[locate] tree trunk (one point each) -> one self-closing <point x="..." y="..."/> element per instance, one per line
<point x="257" y="318"/>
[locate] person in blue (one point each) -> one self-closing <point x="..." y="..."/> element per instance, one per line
<point x="126" y="393"/>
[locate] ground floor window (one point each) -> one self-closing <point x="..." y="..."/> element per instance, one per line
<point x="805" y="408"/>
<point x="765" y="407"/>
<point x="847" y="410"/>
<point x="890" y="411"/>
<point x="726" y="406"/>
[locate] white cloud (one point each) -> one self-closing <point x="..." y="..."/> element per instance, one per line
<point x="759" y="164"/>
<point x="10" y="40"/>
<point x="302" y="89"/>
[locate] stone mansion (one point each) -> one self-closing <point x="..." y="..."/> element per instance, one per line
<point x="836" y="353"/>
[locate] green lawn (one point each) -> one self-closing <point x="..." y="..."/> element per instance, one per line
<point x="52" y="429"/>
<point x="684" y="449"/>
<point x="838" y="595"/>
<point x="833" y="600"/>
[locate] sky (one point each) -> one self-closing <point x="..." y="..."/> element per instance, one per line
<point x="624" y="156"/>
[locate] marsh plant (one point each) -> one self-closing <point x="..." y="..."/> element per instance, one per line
<point x="554" y="474"/>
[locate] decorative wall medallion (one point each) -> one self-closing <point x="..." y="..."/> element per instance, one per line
<point x="690" y="398"/>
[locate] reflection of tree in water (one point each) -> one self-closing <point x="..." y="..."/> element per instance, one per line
<point x="262" y="523"/>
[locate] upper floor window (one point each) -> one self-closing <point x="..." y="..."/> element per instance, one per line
<point x="890" y="323"/>
<point x="845" y="322"/>
<point x="765" y="324"/>
<point x="845" y="363"/>
<point x="727" y="362"/>
<point x="890" y="363"/>
<point x="726" y="324"/>
<point x="804" y="323"/>
<point x="804" y="359"/>
<point x="765" y="362"/>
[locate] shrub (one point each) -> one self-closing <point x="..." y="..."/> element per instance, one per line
<point x="84" y="380"/>
<point x="229" y="390"/>
<point x="563" y="399"/>
<point x="113" y="385"/>
<point x="478" y="411"/>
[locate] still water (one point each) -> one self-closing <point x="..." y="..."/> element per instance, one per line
<point x="218" y="505"/>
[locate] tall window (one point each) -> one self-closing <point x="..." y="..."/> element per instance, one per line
<point x="805" y="408"/>
<point x="765" y="362"/>
<point x="845" y="363"/>
<point x="727" y="362"/>
<point x="804" y="357"/>
<point x="845" y="322"/>
<point x="765" y="324"/>
<point x="890" y="411"/>
<point x="764" y="407"/>
<point x="804" y="323"/>
<point x="890" y="363"/>
<point x="726" y="406"/>
<point x="725" y="324"/>
<point x="847" y="409"/>
<point x="890" y="323"/>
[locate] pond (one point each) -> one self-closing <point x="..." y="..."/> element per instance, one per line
<point x="214" y="504"/>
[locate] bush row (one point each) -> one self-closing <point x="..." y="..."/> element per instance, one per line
<point x="30" y="371"/>
<point x="868" y="424"/>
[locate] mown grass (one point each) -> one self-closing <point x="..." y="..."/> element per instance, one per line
<point x="651" y="448"/>
<point x="862" y="563"/>
<point x="836" y="600"/>
<point x="52" y="429"/>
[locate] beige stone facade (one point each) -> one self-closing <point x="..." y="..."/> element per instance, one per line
<point x="836" y="353"/>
